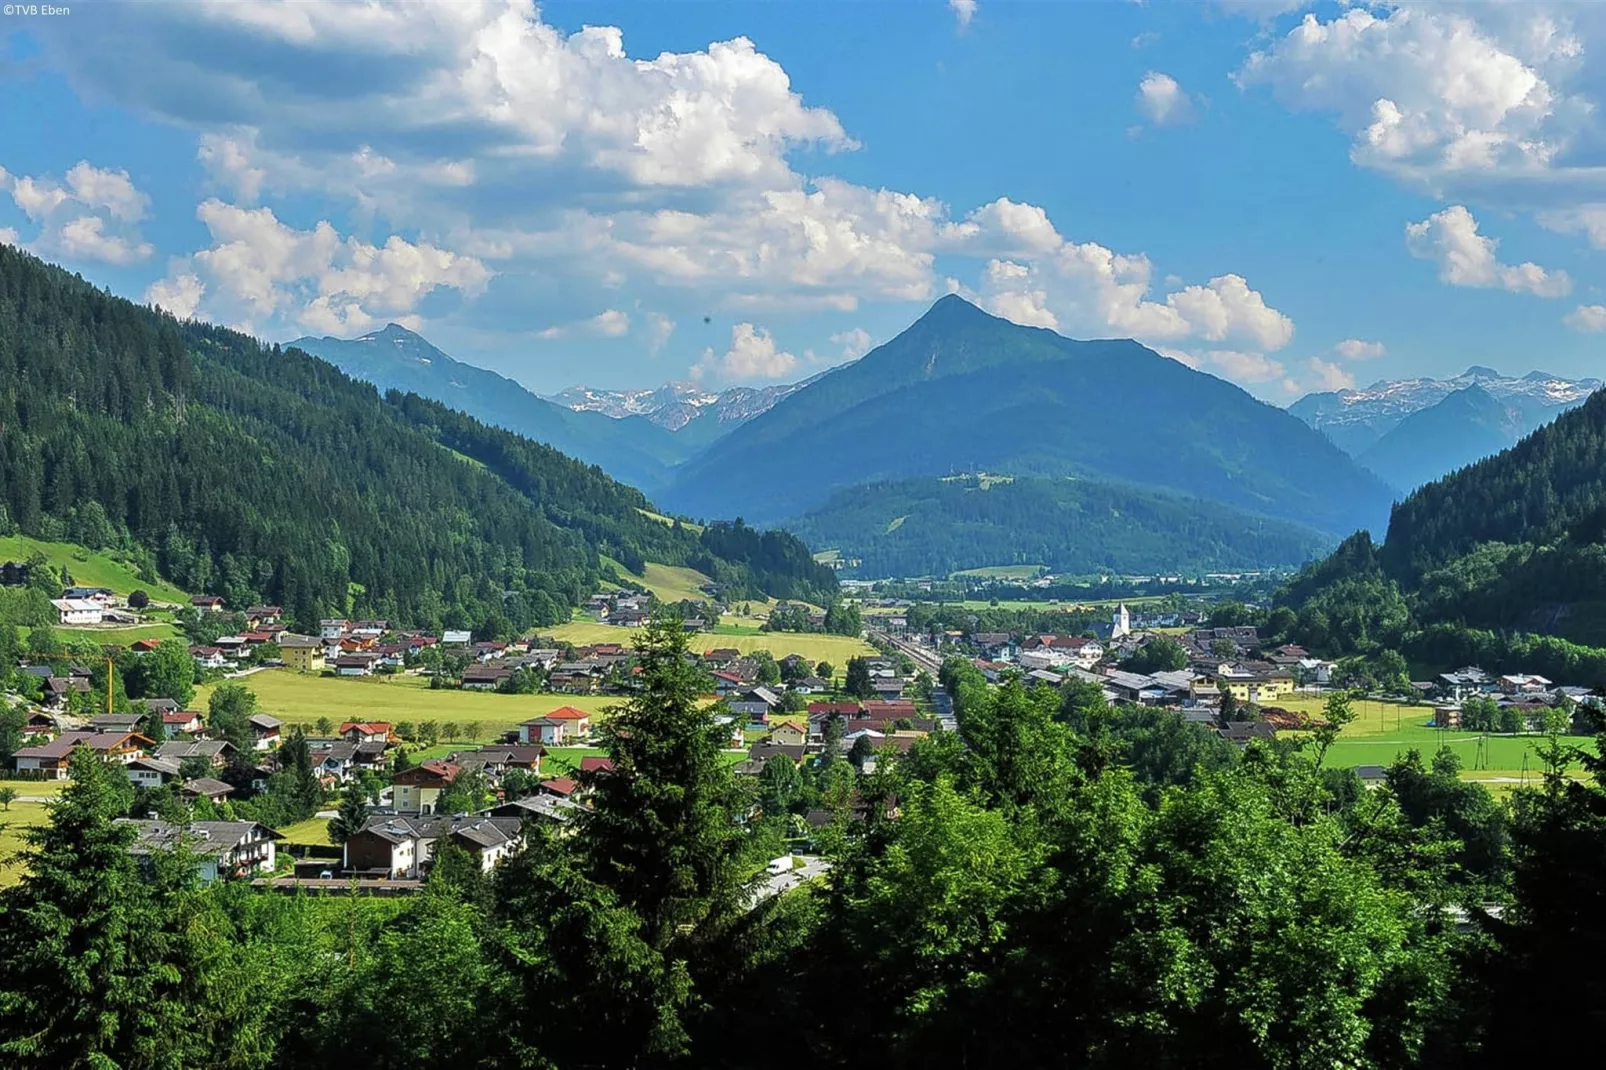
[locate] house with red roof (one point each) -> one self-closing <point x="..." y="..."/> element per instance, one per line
<point x="365" y="731"/>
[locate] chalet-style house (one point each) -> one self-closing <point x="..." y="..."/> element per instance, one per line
<point x="220" y="848"/>
<point x="396" y="847"/>
<point x="418" y="790"/>
<point x="303" y="653"/>
<point x="50" y="759"/>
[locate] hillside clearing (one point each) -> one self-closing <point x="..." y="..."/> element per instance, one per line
<point x="88" y="568"/>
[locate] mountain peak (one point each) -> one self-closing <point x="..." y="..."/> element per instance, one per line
<point x="1478" y="371"/>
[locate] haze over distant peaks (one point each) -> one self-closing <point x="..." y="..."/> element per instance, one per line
<point x="1411" y="431"/>
<point x="676" y="404"/>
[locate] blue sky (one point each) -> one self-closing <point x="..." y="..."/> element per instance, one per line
<point x="619" y="194"/>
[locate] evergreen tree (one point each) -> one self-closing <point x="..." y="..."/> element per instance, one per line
<point x="89" y="959"/>
<point x="858" y="681"/>
<point x="352" y="816"/>
<point x="618" y="922"/>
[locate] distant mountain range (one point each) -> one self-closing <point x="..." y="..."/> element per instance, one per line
<point x="634" y="450"/>
<point x="674" y="405"/>
<point x="1412" y="431"/>
<point x="961" y="390"/>
<point x="934" y="526"/>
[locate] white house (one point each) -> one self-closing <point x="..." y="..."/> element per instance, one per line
<point x="78" y="611"/>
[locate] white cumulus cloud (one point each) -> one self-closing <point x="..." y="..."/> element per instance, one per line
<point x="1425" y="92"/>
<point x="855" y="343"/>
<point x="180" y="294"/>
<point x="1162" y="100"/>
<point x="1466" y="258"/>
<point x="261" y="272"/>
<point x="964" y="11"/>
<point x="1356" y="349"/>
<point x="1326" y="375"/>
<point x="91" y="216"/>
<point x="1590" y="319"/>
<point x="752" y="355"/>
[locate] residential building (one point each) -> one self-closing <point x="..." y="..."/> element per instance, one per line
<point x="364" y="731"/>
<point x="564" y="724"/>
<point x="401" y="848"/>
<point x="152" y="772"/>
<point x="207" y="603"/>
<point x="265" y="733"/>
<point x="77" y="611"/>
<point x="418" y="790"/>
<point x="51" y="759"/>
<point x="216" y="751"/>
<point x="214" y="791"/>
<point x="485" y="677"/>
<point x="220" y="848"/>
<point x="302" y="653"/>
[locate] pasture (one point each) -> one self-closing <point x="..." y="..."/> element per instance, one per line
<point x="298" y="698"/>
<point x="1383" y="731"/>
<point x="836" y="649"/>
<point x="88" y="568"/>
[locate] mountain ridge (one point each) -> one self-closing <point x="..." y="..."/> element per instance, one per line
<point x="1356" y="418"/>
<point x="633" y="450"/>
<point x="961" y="390"/>
<point x="937" y="525"/>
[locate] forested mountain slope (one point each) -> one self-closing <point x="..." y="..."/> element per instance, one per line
<point x="1465" y="427"/>
<point x="634" y="450"/>
<point x="936" y="526"/>
<point x="262" y="474"/>
<point x="961" y="390"/>
<point x="1513" y="544"/>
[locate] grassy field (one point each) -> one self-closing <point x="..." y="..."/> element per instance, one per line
<point x="302" y="699"/>
<point x="12" y="823"/>
<point x="1383" y="731"/>
<point x="669" y="521"/>
<point x="117" y="636"/>
<point x="671" y="583"/>
<point x="88" y="568"/>
<point x="313" y="831"/>
<point x="836" y="649"/>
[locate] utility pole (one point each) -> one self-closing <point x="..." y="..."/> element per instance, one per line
<point x="108" y="685"/>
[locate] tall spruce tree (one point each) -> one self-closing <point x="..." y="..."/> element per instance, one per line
<point x="610" y="928"/>
<point x="89" y="950"/>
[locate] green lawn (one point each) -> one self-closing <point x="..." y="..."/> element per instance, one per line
<point x="313" y="831"/>
<point x="1383" y="731"/>
<point x="301" y="699"/>
<point x="117" y="636"/>
<point x="12" y="823"/>
<point x="89" y="568"/>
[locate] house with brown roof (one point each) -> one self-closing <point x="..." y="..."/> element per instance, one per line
<point x="402" y="848"/>
<point x="485" y="677"/>
<point x="418" y="790"/>
<point x="220" y="848"/>
<point x="214" y="791"/>
<point x="51" y="759"/>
